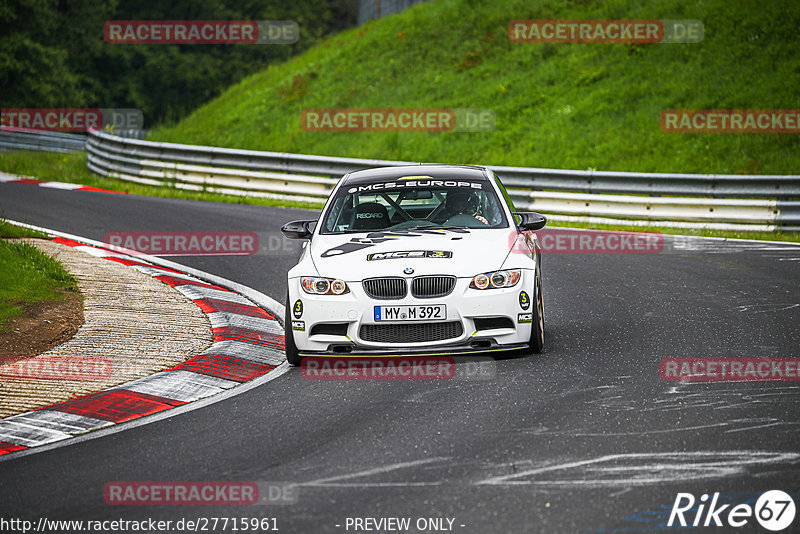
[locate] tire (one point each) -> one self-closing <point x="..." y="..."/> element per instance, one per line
<point x="292" y="355"/>
<point x="537" y="324"/>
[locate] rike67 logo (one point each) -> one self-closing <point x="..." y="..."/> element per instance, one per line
<point x="774" y="510"/>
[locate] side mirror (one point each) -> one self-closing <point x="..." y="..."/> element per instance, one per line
<point x="530" y="220"/>
<point x="298" y="229"/>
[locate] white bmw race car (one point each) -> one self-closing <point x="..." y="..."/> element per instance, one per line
<point x="423" y="259"/>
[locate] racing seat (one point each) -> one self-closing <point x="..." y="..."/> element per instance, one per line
<point x="370" y="216"/>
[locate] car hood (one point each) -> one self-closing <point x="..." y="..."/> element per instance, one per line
<point x="459" y="252"/>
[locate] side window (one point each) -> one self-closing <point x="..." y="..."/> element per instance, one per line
<point x="507" y="198"/>
<point x="334" y="214"/>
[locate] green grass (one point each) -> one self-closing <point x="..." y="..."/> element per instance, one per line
<point x="28" y="276"/>
<point x="9" y="230"/>
<point x="570" y="106"/>
<point x="51" y="166"/>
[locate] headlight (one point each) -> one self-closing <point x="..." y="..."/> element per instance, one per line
<point x="495" y="279"/>
<point x="323" y="286"/>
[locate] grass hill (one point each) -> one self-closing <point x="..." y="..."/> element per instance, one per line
<point x="573" y="106"/>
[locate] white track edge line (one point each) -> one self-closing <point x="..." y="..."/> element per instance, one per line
<point x="724" y="239"/>
<point x="281" y="369"/>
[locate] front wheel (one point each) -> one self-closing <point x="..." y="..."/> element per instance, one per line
<point x="292" y="355"/>
<point x="537" y="324"/>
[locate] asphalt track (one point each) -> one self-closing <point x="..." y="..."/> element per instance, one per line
<point x="583" y="437"/>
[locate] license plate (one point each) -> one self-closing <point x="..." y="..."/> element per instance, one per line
<point x="436" y="312"/>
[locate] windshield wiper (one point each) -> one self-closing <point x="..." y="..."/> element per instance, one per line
<point x="417" y="227"/>
<point x="435" y="227"/>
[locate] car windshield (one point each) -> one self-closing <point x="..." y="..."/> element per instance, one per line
<point x="411" y="204"/>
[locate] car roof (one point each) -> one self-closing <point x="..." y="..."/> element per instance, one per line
<point x="471" y="172"/>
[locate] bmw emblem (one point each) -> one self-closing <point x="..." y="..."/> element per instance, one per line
<point x="408" y="270"/>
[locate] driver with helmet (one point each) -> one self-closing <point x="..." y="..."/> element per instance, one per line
<point x="462" y="203"/>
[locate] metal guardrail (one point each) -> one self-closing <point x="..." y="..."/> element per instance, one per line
<point x="577" y="193"/>
<point x="711" y="185"/>
<point x="561" y="194"/>
<point x="27" y="139"/>
<point x="46" y="141"/>
<point x="647" y="183"/>
<point x="746" y="214"/>
<point x="206" y="168"/>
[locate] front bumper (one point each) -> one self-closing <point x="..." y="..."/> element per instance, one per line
<point x="490" y="320"/>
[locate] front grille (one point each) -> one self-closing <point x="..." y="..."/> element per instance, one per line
<point x="428" y="287"/>
<point x="410" y="333"/>
<point x="386" y="288"/>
